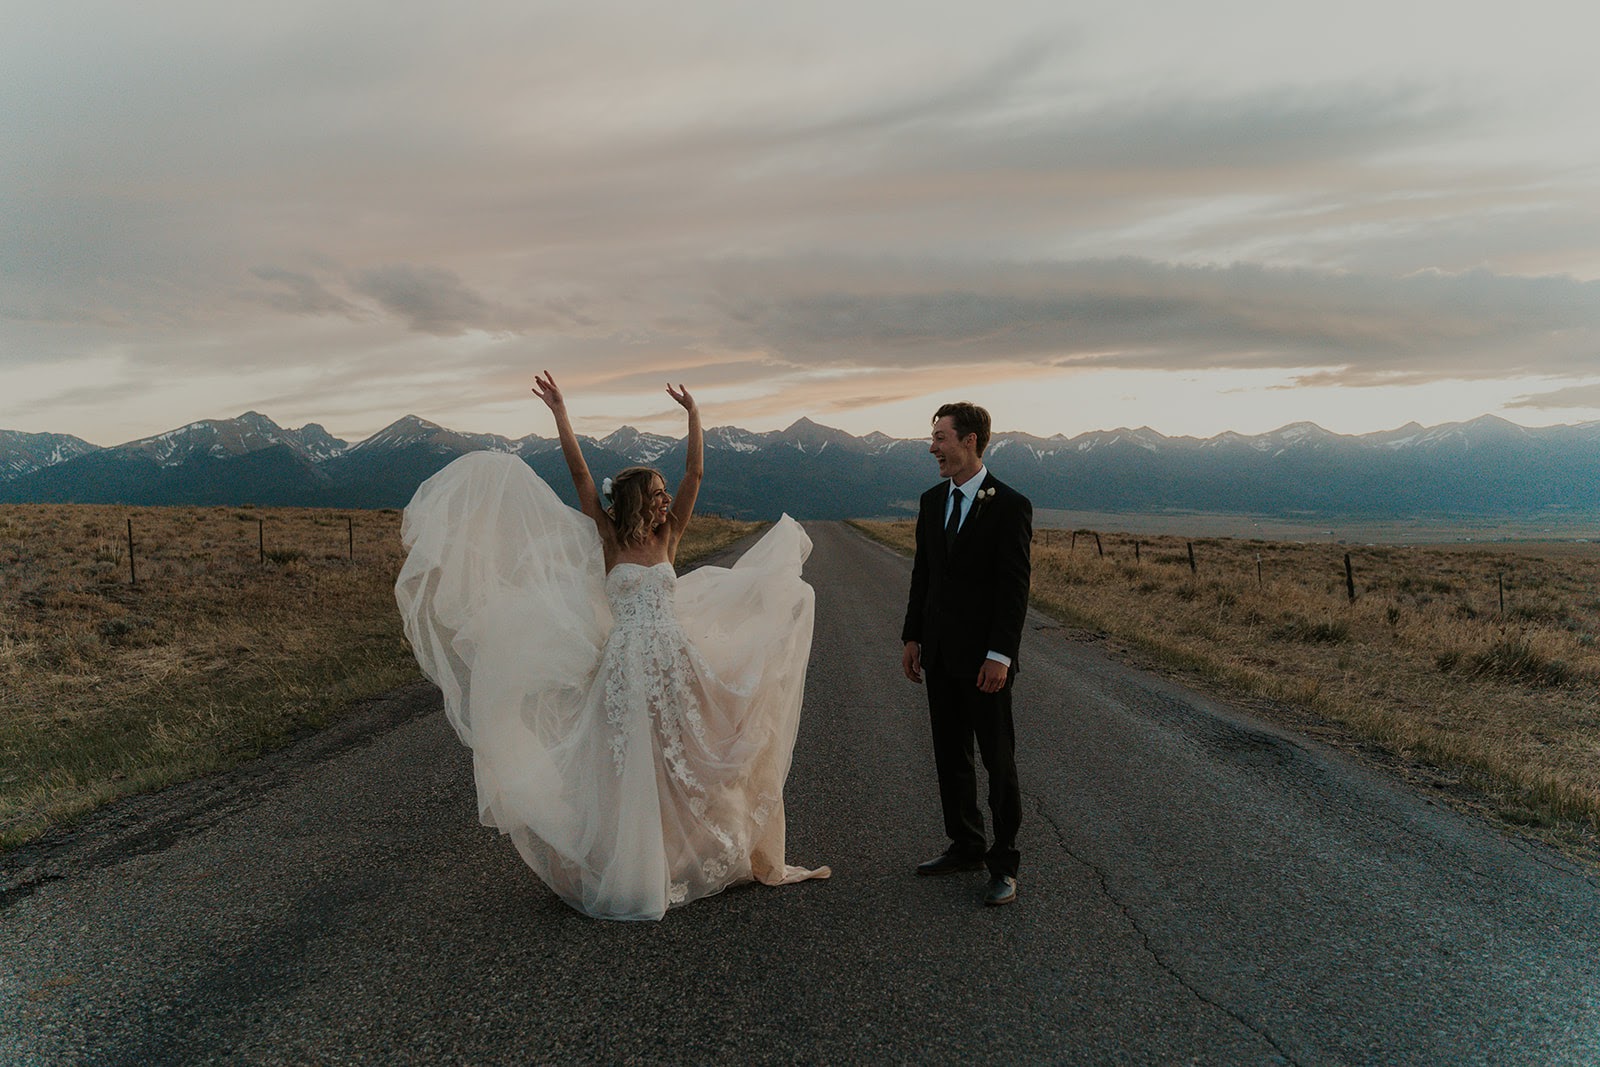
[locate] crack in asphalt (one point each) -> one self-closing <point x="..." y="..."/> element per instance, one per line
<point x="1144" y="937"/>
<point x="1540" y="854"/>
<point x="11" y="894"/>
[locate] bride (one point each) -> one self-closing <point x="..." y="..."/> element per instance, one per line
<point x="630" y="731"/>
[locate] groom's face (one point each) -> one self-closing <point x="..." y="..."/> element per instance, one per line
<point x="957" y="456"/>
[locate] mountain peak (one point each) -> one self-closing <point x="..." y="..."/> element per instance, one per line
<point x="22" y="453"/>
<point x="318" y="442"/>
<point x="216" y="438"/>
<point x="636" y="445"/>
<point x="810" y="437"/>
<point x="414" y="430"/>
<point x="411" y="424"/>
<point x="1303" y="428"/>
<point x="734" y="439"/>
<point x="1495" y="424"/>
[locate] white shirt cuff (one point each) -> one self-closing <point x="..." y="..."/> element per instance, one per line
<point x="1004" y="661"/>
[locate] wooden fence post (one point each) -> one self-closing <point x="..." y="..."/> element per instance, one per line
<point x="1097" y="546"/>
<point x="133" y="575"/>
<point x="1349" y="578"/>
<point x="1136" y="552"/>
<point x="1193" y="569"/>
<point x="261" y="539"/>
<point x="350" y="528"/>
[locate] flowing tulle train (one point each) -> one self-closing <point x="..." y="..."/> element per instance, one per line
<point x="630" y="732"/>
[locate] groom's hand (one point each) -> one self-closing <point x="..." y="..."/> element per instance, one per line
<point x="911" y="661"/>
<point x="992" y="676"/>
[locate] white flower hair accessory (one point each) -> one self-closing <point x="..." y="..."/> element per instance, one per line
<point x="605" y="488"/>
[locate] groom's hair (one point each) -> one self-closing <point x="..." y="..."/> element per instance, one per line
<point x="967" y="418"/>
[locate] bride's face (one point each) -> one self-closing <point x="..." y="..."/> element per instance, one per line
<point x="660" y="501"/>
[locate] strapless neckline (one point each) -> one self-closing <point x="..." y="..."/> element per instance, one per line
<point x="641" y="566"/>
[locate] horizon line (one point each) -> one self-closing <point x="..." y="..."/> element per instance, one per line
<point x="1485" y="417"/>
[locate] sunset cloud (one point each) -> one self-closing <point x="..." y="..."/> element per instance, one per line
<point x="1571" y="396"/>
<point x="429" y="299"/>
<point x="1134" y="313"/>
<point x="299" y="294"/>
<point x="212" y="205"/>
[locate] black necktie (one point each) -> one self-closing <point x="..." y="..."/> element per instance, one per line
<point x="954" y="522"/>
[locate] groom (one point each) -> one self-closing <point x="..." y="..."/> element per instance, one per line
<point x="969" y="596"/>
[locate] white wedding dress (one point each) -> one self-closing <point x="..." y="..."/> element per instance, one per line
<point x="631" y="732"/>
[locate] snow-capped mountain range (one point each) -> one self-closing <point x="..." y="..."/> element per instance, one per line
<point x="220" y="438"/>
<point x="22" y="453"/>
<point x="1487" y="466"/>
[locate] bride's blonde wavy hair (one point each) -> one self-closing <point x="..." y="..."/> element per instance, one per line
<point x="630" y="503"/>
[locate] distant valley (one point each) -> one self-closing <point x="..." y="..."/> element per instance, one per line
<point x="1480" y="471"/>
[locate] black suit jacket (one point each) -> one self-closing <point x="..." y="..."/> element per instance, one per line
<point x="972" y="599"/>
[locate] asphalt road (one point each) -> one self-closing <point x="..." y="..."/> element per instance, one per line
<point x="1196" y="887"/>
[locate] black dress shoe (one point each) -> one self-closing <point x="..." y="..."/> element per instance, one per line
<point x="948" y="864"/>
<point x="1002" y="890"/>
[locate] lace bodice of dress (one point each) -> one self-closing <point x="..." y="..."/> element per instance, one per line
<point x="641" y="596"/>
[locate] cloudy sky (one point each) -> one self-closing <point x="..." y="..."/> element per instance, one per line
<point x="1193" y="216"/>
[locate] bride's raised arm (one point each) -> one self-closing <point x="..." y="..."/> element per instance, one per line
<point x="694" y="463"/>
<point x="544" y="387"/>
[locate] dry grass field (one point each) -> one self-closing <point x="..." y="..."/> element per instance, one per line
<point x="1476" y="667"/>
<point x="246" y="627"/>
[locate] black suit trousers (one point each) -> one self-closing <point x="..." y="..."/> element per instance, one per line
<point x="960" y="714"/>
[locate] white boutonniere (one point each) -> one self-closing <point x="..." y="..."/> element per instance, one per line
<point x="979" y="498"/>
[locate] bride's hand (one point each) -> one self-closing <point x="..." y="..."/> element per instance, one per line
<point x="544" y="387"/>
<point x="681" y="395"/>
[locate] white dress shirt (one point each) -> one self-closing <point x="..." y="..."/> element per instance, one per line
<point x="969" y="489"/>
